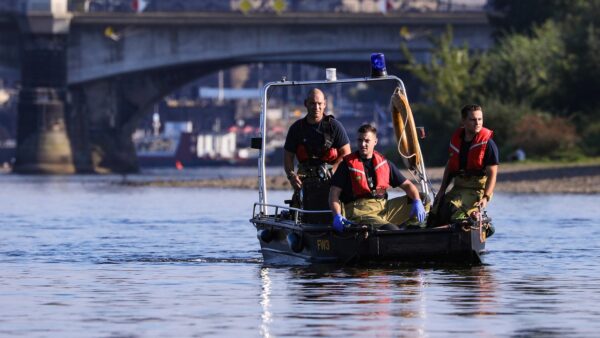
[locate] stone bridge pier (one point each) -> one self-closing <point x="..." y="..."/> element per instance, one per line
<point x="85" y="127"/>
<point x="43" y="144"/>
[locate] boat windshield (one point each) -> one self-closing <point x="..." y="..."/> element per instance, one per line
<point x="353" y="102"/>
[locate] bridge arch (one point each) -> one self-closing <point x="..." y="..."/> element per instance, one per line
<point x="104" y="46"/>
<point x="119" y="64"/>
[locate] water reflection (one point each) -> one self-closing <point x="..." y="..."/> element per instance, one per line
<point x="476" y="291"/>
<point x="265" y="303"/>
<point x="382" y="301"/>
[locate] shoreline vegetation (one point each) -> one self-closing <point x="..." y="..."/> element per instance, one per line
<point x="536" y="178"/>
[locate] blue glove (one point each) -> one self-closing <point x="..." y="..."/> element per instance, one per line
<point x="418" y="210"/>
<point x="338" y="222"/>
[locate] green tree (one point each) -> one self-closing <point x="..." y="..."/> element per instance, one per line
<point x="571" y="58"/>
<point x="524" y="69"/>
<point x="449" y="75"/>
<point x="582" y="41"/>
<point x="515" y="80"/>
<point x="449" y="79"/>
<point x="508" y="17"/>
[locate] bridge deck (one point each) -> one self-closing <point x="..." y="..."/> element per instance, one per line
<point x="199" y="18"/>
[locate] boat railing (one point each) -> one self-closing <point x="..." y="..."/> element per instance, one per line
<point x="261" y="210"/>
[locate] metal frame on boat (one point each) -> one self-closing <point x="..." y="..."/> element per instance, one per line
<point x="285" y="239"/>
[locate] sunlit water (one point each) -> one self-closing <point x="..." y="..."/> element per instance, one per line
<point x="87" y="257"/>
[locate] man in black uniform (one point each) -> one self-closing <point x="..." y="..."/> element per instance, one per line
<point x="319" y="142"/>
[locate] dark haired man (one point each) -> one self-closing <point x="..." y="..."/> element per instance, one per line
<point x="361" y="183"/>
<point x="319" y="142"/>
<point x="472" y="167"/>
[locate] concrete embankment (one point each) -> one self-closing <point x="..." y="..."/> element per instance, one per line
<point x="514" y="178"/>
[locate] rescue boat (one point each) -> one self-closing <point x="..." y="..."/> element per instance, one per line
<point x="290" y="236"/>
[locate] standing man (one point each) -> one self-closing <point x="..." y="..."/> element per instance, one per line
<point x="361" y="183"/>
<point x="472" y="166"/>
<point x="319" y="142"/>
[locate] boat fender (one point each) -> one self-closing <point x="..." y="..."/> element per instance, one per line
<point x="294" y="242"/>
<point x="265" y="235"/>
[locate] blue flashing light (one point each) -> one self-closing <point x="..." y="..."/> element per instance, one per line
<point x="378" y="65"/>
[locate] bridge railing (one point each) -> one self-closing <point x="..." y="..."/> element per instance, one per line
<point x="277" y="6"/>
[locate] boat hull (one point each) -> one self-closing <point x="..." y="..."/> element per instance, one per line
<point x="285" y="243"/>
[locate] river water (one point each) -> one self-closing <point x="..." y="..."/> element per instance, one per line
<point x="83" y="256"/>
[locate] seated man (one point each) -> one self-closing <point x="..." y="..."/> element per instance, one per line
<point x="361" y="183"/>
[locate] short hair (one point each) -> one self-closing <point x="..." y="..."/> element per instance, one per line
<point x="469" y="108"/>
<point x="365" y="128"/>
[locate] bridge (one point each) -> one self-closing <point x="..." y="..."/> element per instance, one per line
<point x="88" y="78"/>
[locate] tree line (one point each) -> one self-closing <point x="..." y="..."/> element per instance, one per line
<point x="539" y="85"/>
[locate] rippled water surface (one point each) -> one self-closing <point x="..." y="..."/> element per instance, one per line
<point x="87" y="257"/>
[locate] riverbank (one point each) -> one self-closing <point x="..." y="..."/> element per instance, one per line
<point x="542" y="178"/>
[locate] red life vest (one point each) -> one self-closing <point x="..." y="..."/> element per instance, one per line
<point x="328" y="156"/>
<point x="326" y="153"/>
<point x="476" y="151"/>
<point x="360" y="185"/>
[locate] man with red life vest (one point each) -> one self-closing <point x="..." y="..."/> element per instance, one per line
<point x="472" y="166"/>
<point x="319" y="142"/>
<point x="361" y="183"/>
